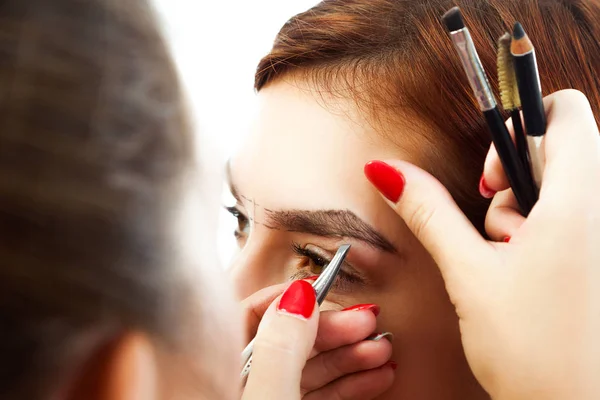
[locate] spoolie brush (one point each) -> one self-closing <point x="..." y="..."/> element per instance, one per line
<point x="509" y="94"/>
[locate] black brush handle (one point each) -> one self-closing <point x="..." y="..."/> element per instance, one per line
<point x="523" y="188"/>
<point x="521" y="143"/>
<point x="530" y="91"/>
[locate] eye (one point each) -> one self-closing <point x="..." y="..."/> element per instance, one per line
<point x="243" y="225"/>
<point x="313" y="263"/>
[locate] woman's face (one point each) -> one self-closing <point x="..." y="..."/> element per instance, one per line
<point x="300" y="190"/>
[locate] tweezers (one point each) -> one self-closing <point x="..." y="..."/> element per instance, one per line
<point x="321" y="286"/>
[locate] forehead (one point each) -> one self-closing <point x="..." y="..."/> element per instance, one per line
<point x="307" y="151"/>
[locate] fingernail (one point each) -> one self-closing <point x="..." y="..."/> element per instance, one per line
<point x="506" y="239"/>
<point x="485" y="191"/>
<point x="387" y="179"/>
<point x="376" y="337"/>
<point x="393" y="365"/>
<point x="359" y="307"/>
<point x="312" y="278"/>
<point x="298" y="300"/>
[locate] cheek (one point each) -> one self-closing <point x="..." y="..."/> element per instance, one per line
<point x="261" y="263"/>
<point x="335" y="302"/>
<point x="419" y="311"/>
<point x="422" y="294"/>
<point x="411" y="294"/>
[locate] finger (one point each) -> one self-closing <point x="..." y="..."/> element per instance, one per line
<point x="504" y="218"/>
<point x="256" y="305"/>
<point x="341" y="328"/>
<point x="572" y="146"/>
<point x="493" y="178"/>
<point x="365" y="385"/>
<point x="572" y="142"/>
<point x="331" y="365"/>
<point x="284" y="339"/>
<point x="434" y="218"/>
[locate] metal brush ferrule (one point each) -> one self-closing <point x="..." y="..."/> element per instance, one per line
<point x="473" y="68"/>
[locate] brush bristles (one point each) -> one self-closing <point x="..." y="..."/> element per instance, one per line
<point x="453" y="20"/>
<point x="509" y="92"/>
<point x="516" y="98"/>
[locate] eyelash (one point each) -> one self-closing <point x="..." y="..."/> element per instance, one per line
<point x="242" y="220"/>
<point x="343" y="278"/>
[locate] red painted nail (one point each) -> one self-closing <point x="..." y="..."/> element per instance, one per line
<point x="506" y="239"/>
<point x="485" y="191"/>
<point x="299" y="299"/>
<point x="393" y="365"/>
<point x="387" y="179"/>
<point x="359" y="307"/>
<point x="312" y="278"/>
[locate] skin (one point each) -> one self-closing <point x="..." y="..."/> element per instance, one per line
<point x="134" y="367"/>
<point x="494" y="285"/>
<point x="294" y="163"/>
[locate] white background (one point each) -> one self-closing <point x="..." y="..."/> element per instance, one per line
<point x="217" y="45"/>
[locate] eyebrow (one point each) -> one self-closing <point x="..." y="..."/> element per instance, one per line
<point x="324" y="223"/>
<point x="330" y="224"/>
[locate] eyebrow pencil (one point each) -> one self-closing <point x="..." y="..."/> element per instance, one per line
<point x="523" y="187"/>
<point x="321" y="286"/>
<point x="530" y="91"/>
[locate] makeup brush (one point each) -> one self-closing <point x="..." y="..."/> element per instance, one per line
<point x="523" y="188"/>
<point x="530" y="91"/>
<point x="509" y="96"/>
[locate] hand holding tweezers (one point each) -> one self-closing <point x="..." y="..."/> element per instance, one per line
<point x="321" y="286"/>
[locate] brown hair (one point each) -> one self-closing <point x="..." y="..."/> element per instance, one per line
<point x="396" y="60"/>
<point x="93" y="149"/>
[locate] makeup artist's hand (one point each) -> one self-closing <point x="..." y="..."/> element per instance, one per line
<point x="341" y="364"/>
<point x="504" y="219"/>
<point x="529" y="310"/>
<point x="284" y="340"/>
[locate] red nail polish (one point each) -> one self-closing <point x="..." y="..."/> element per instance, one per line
<point x="393" y="365"/>
<point x="299" y="299"/>
<point x="374" y="308"/>
<point x="387" y="179"/>
<point x="484" y="190"/>
<point x="506" y="239"/>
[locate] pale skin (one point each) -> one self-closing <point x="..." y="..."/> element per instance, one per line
<point x="282" y="124"/>
<point x="310" y="152"/>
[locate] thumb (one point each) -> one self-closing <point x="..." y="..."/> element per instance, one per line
<point x="255" y="306"/>
<point x="431" y="214"/>
<point x="285" y="337"/>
